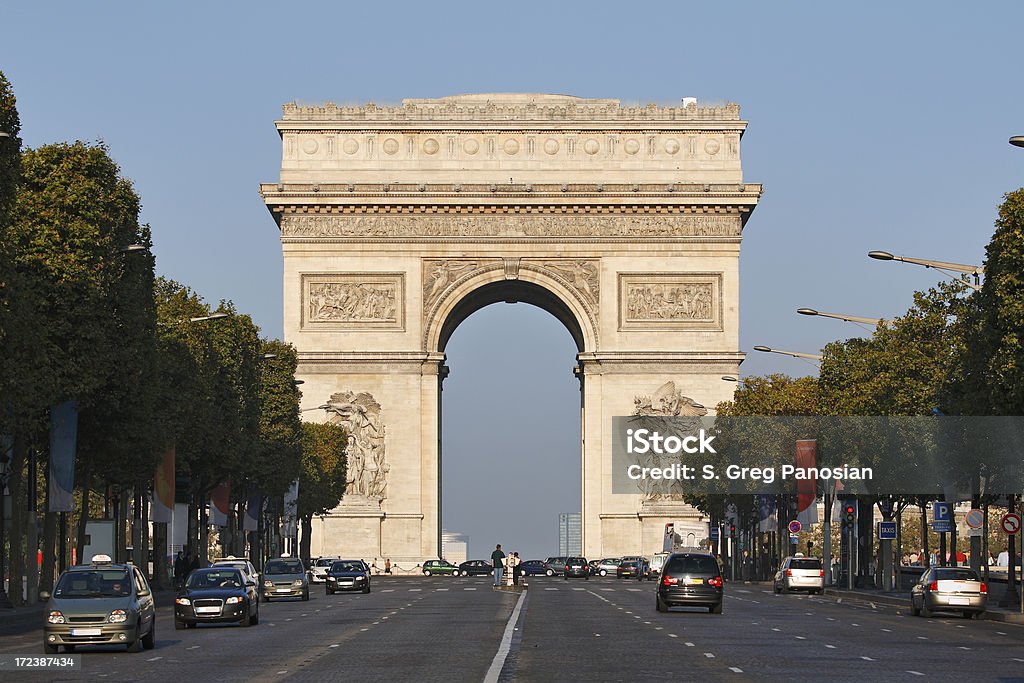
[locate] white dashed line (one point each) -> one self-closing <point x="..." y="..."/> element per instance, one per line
<point x="709" y="655"/>
<point x="153" y="659"/>
<point x="634" y="590"/>
<point x="282" y="672"/>
<point x="334" y="645"/>
<point x="962" y="647"/>
<point x="777" y="630"/>
<point x="1018" y="659"/>
<point x="914" y="673"/>
<point x="867" y="659"/>
<point x="1000" y="633"/>
<point x="388" y="590"/>
<point x="672" y="635"/>
<point x="922" y="637"/>
<point x="415" y="590"/>
<point x="736" y="669"/>
<point x="689" y="644"/>
<point x="469" y="589"/>
<point x="800" y="637"/>
<point x="831" y="647"/>
<point x="608" y="590"/>
<point x="887" y="630"/>
<point x="441" y="590"/>
<point x="364" y="629"/>
<point x="830" y="618"/>
<point x="647" y="622"/>
<point x="579" y="589"/>
<point x="192" y="647"/>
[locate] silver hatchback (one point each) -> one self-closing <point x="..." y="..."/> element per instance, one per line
<point x="799" y="573"/>
<point x="952" y="589"/>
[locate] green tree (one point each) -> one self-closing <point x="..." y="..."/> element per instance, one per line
<point x="322" y="480"/>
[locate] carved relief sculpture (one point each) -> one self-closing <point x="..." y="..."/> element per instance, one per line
<point x="661" y="412"/>
<point x="354" y="300"/>
<point x="657" y="301"/>
<point x="583" y="275"/>
<point x="367" y="473"/>
<point x="438" y="274"/>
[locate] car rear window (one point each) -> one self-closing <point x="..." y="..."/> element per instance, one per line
<point x="692" y="564"/>
<point x="805" y="564"/>
<point x="283" y="567"/>
<point x="955" y="575"/>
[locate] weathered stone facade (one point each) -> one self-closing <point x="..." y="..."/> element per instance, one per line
<point x="398" y="222"/>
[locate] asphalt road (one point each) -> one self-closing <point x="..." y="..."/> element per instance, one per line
<point x="446" y="629"/>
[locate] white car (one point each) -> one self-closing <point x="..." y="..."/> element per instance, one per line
<point x="318" y="569"/>
<point x="241" y="563"/>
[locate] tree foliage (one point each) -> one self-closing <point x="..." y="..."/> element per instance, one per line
<point x="322" y="480"/>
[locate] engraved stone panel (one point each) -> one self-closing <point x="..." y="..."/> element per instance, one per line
<point x="583" y="275"/>
<point x="439" y="274"/>
<point x="353" y="301"/>
<point x="660" y="301"/>
<point x="367" y="466"/>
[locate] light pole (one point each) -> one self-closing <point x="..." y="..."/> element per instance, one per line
<point x="947" y="268"/>
<point x="816" y="358"/>
<point x="1017" y="141"/>
<point x="858" y="319"/>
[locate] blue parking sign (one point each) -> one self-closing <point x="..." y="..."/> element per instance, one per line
<point x="941" y="520"/>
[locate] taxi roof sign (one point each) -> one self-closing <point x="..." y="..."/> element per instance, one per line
<point x="101" y="559"/>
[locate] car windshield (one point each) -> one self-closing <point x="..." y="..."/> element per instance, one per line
<point x="325" y="563"/>
<point x="692" y="564"/>
<point x="282" y="567"/>
<point x="215" y="578"/>
<point x="955" y="575"/>
<point x="347" y="567"/>
<point x="95" y="583"/>
<point x="805" y="564"/>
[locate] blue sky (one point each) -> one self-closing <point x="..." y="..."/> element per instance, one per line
<point x="872" y="126"/>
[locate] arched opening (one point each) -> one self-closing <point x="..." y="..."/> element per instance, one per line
<point x="510" y="420"/>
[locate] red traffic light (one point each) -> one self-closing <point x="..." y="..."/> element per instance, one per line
<point x="849" y="509"/>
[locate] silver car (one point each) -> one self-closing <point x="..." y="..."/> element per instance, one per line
<point x="318" y="569"/>
<point x="285" y="577"/>
<point x="952" y="589"/>
<point x="799" y="573"/>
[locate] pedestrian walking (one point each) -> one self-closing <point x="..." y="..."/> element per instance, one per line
<point x="387" y="566"/>
<point x="179" y="569"/>
<point x="498" y="563"/>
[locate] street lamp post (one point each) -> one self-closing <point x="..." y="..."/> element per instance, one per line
<point x="860" y="320"/>
<point x="795" y="354"/>
<point x="947" y="268"/>
<point x="1017" y="141"/>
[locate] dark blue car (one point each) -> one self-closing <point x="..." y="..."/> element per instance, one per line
<point x="348" y="575"/>
<point x="532" y="568"/>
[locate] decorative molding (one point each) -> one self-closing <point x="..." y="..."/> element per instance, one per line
<point x="582" y="275"/>
<point x="526" y="225"/>
<point x="667" y="301"/>
<point x="511" y="267"/>
<point x="508" y="107"/>
<point x="353" y="301"/>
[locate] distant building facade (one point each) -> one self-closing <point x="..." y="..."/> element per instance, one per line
<point x="454" y="546"/>
<point x="570" y="534"/>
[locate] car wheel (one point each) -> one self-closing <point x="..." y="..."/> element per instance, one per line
<point x="254" y="618"/>
<point x="715" y="609"/>
<point x="305" y="596"/>
<point x="135" y="645"/>
<point x="149" y="640"/>
<point x="925" y="612"/>
<point x="50" y="649"/>
<point x="426" y="572"/>
<point x="660" y="605"/>
<point x="550" y="572"/>
<point x="179" y="625"/>
<point x="366" y="589"/>
<point x="603" y="572"/>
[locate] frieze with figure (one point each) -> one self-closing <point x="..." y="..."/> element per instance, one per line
<point x="354" y="300"/>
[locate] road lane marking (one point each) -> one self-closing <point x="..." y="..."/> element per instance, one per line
<point x="634" y="590"/>
<point x="415" y="590"/>
<point x="388" y="590"/>
<point x="550" y="589"/>
<point x="192" y="647"/>
<point x="335" y="645"/>
<point x="672" y="635"/>
<point x="867" y="659"/>
<point x="608" y="590"/>
<point x="922" y="637"/>
<point x="777" y="630"/>
<point x="1000" y="633"/>
<point x="735" y="669"/>
<point x="914" y="673"/>
<point x="469" y="589"/>
<point x="962" y="647"/>
<point x="689" y="644"/>
<point x="887" y="630"/>
<point x="831" y="647"/>
<point x="800" y="638"/>
<point x="579" y="589"/>
<point x="153" y="659"/>
<point x="647" y="622"/>
<point x="440" y="590"/>
<point x="506" y="643"/>
<point x="830" y="618"/>
<point x="709" y="655"/>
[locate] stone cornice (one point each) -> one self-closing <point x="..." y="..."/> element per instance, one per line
<point x="503" y="110"/>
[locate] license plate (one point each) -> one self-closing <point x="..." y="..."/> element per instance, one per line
<point x="283" y="590"/>
<point x="346" y="583"/>
<point x="959" y="601"/>
<point x="86" y="631"/>
<point x="693" y="582"/>
<point x="207" y="610"/>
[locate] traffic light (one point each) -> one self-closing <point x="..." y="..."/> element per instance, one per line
<point x="732" y="530"/>
<point x="849" y="515"/>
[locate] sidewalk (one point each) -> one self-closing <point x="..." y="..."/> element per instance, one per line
<point x="902" y="599"/>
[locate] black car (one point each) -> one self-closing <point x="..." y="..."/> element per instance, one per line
<point x="217" y="594"/>
<point x="533" y="568"/>
<point x="476" y="568"/>
<point x="577" y="567"/>
<point x="690" y="580"/>
<point x="348" y="575"/>
<point x="633" y="568"/>
<point x="556" y="565"/>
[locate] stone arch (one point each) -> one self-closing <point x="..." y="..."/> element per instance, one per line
<point x="491" y="283"/>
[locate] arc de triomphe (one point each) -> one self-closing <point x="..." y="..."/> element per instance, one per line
<point x="399" y="222"/>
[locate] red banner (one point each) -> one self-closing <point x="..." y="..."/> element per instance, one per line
<point x="807" y="459"/>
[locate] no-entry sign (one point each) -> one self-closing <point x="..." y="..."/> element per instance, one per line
<point x="1010" y="523"/>
<point x="795" y="526"/>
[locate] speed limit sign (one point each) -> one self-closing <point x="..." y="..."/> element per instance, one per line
<point x="1010" y="523"/>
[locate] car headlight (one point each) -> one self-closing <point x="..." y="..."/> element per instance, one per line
<point x="118" y="616"/>
<point x="56" y="618"/>
<point x="330" y="578"/>
<point x="268" y="584"/>
<point x="360" y="578"/>
<point x="183" y="601"/>
<point x="298" y="582"/>
<point x="233" y="601"/>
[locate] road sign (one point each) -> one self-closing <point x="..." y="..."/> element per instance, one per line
<point x="941" y="522"/>
<point x="795" y="526"/>
<point x="714" y="533"/>
<point x="794" y="539"/>
<point x="1010" y="523"/>
<point x="975" y="518"/>
<point x="887" y="531"/>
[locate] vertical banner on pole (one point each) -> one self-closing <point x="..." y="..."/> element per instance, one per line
<point x="63" y="441"/>
<point x="290" y="518"/>
<point x="767" y="519"/>
<point x="163" y="489"/>
<point x="220" y="498"/>
<point x="806" y="458"/>
<point x="252" y="512"/>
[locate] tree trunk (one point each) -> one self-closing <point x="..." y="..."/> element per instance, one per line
<point x="160" y="577"/>
<point x="83" y="516"/>
<point x="307" y="537"/>
<point x="16" y="483"/>
<point x="926" y="558"/>
<point x="46" y="579"/>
